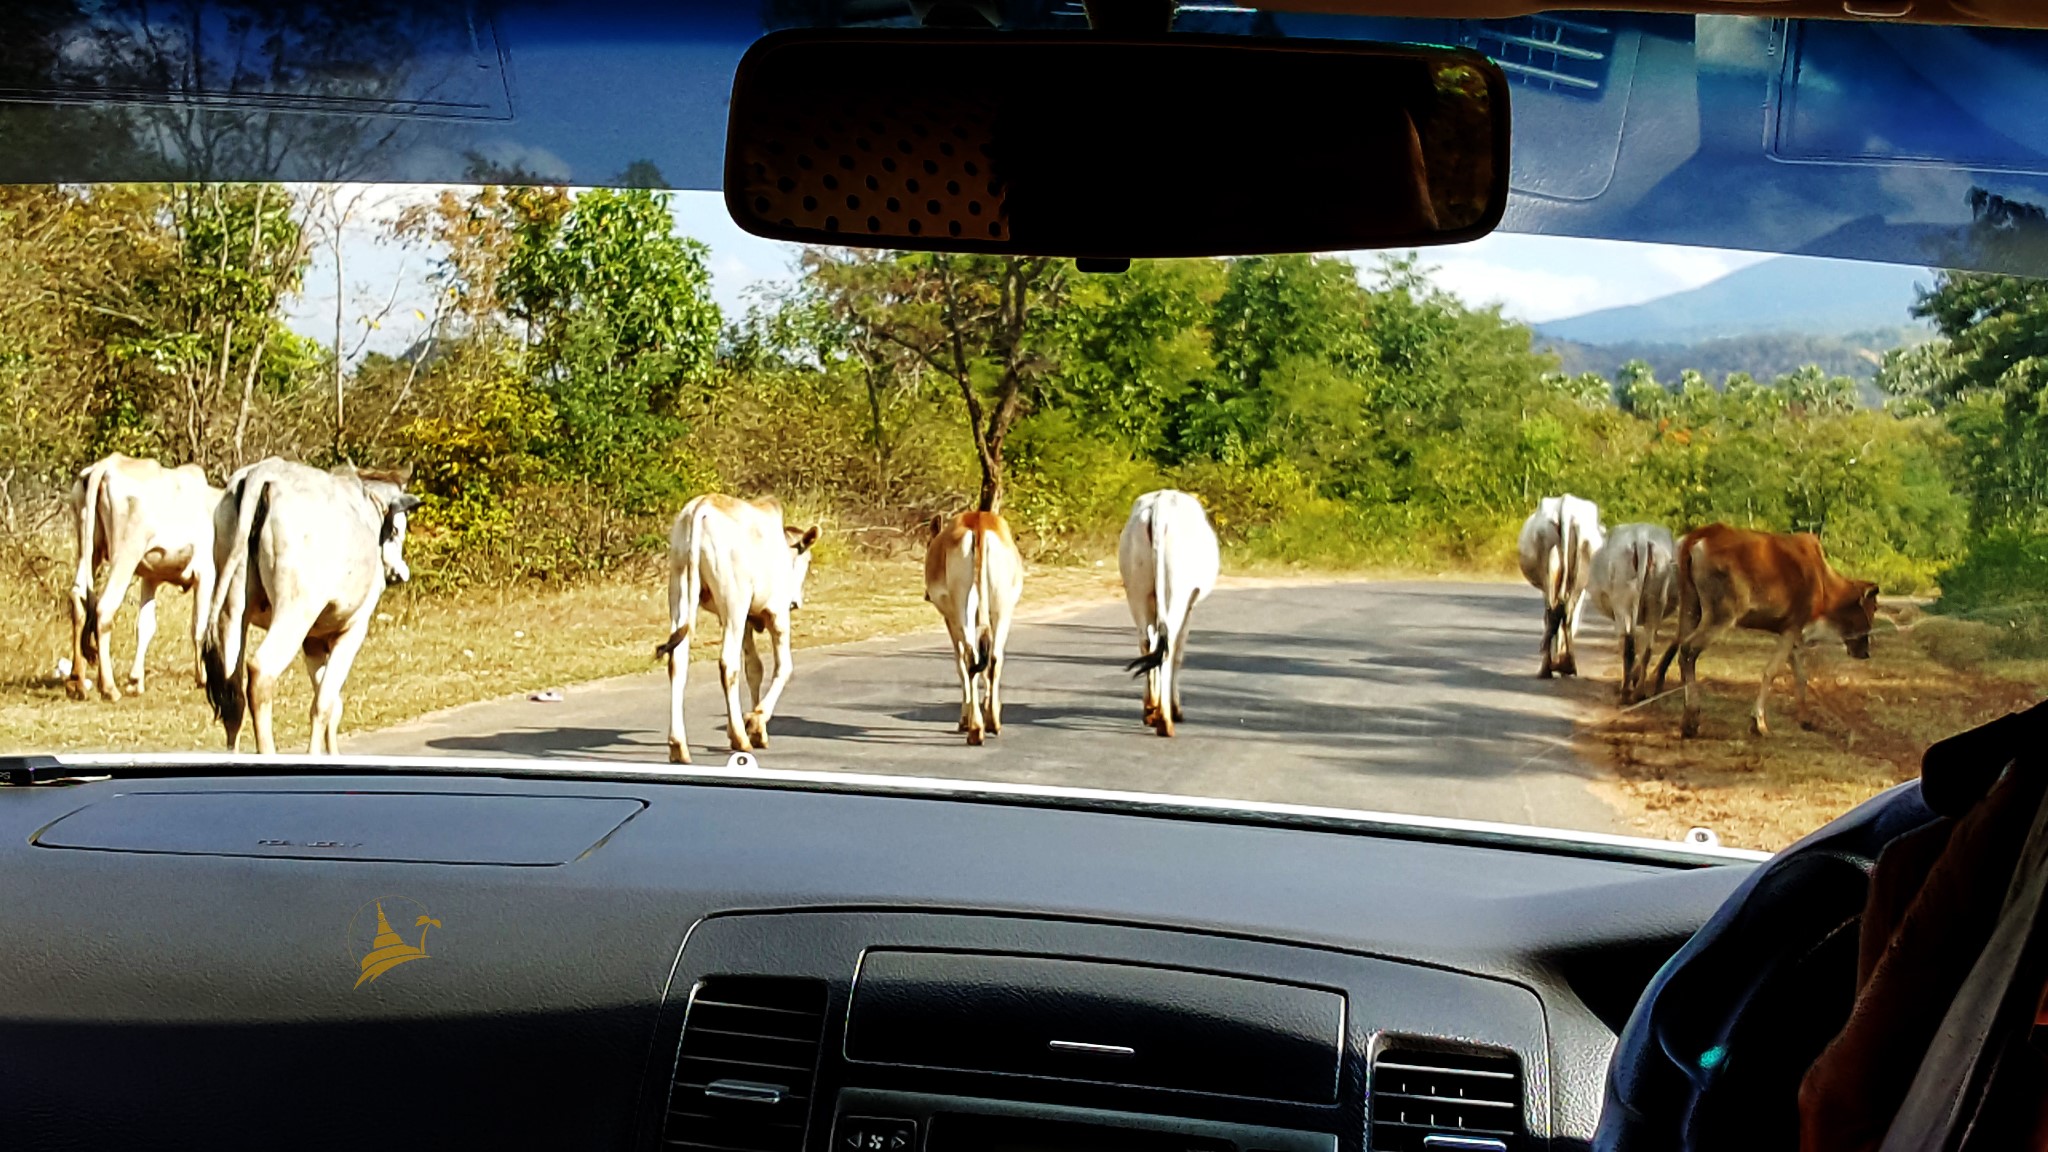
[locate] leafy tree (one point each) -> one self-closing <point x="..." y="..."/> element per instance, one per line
<point x="988" y="323"/>
<point x="622" y="328"/>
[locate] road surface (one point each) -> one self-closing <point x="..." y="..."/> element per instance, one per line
<point x="1413" y="697"/>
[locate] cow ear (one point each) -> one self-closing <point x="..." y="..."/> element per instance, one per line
<point x="938" y="523"/>
<point x="809" y="538"/>
<point x="404" y="502"/>
<point x="1870" y="595"/>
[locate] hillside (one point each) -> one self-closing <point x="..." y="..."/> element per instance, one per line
<point x="1763" y="355"/>
<point x="1798" y="294"/>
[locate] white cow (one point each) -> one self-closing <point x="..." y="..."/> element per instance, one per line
<point x="974" y="576"/>
<point x="1170" y="561"/>
<point x="1556" y="551"/>
<point x="1635" y="582"/>
<point x="304" y="555"/>
<point x="142" y="520"/>
<point x="737" y="558"/>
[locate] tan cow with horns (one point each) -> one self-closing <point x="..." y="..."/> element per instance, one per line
<point x="736" y="558"/>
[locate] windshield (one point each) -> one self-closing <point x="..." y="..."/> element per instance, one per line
<point x="533" y="470"/>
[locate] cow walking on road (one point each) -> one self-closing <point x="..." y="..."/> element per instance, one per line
<point x="1766" y="582"/>
<point x="974" y="576"/>
<point x="143" y="521"/>
<point x="1635" y="582"/>
<point x="738" y="559"/>
<point x="1556" y="551"/>
<point x="1170" y="561"/>
<point x="304" y="555"/>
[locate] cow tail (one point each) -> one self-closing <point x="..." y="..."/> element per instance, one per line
<point x="94" y="480"/>
<point x="1640" y="557"/>
<point x="224" y="651"/>
<point x="1159" y="637"/>
<point x="684" y="614"/>
<point x="977" y="610"/>
<point x="1688" y="607"/>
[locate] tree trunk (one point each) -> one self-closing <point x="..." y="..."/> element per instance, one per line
<point x="992" y="479"/>
<point x="248" y="396"/>
<point x="340" y="425"/>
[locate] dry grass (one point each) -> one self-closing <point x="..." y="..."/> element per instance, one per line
<point x="1873" y="719"/>
<point x="431" y="652"/>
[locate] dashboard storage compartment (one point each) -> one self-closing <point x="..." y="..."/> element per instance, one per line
<point x="1113" y="1023"/>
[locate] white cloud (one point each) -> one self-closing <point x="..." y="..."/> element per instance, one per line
<point x="1524" y="293"/>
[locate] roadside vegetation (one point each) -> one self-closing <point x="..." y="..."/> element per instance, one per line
<point x="574" y="383"/>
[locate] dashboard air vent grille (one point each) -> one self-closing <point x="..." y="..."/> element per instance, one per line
<point x="1467" y="1100"/>
<point x="746" y="1065"/>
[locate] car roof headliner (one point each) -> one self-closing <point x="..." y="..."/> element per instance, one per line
<point x="1722" y="125"/>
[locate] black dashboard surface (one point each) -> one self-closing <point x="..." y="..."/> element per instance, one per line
<point x="203" y="998"/>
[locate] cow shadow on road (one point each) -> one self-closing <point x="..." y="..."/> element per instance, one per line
<point x="581" y="743"/>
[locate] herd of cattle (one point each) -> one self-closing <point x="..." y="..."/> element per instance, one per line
<point x="305" y="554"/>
<point x="1715" y="578"/>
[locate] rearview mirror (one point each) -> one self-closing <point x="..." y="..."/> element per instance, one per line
<point x="1091" y="146"/>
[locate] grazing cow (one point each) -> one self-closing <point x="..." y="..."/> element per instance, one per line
<point x="973" y="576"/>
<point x="1635" y="581"/>
<point x="738" y="559"/>
<point x="1170" y="561"/>
<point x="145" y="521"/>
<point x="1767" y="582"/>
<point x="1556" y="550"/>
<point x="304" y="555"/>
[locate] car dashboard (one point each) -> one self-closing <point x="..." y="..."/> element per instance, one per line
<point x="338" y="959"/>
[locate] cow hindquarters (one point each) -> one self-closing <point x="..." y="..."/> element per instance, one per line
<point x="731" y="664"/>
<point x="777" y="627"/>
<point x="145" y="632"/>
<point x="970" y="680"/>
<point x="339" y="655"/>
<point x="992" y="707"/>
<point x="678" y="651"/>
<point x="285" y="637"/>
<point x="121" y="566"/>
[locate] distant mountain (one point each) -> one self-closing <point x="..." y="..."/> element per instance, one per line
<point x="1765" y="356"/>
<point x="1786" y="294"/>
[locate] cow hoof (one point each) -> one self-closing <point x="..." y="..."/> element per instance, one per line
<point x="678" y="754"/>
<point x="1544" y="675"/>
<point x="1164" y="730"/>
<point x="757" y="732"/>
<point x="1689" y="728"/>
<point x="1178" y="715"/>
<point x="974" y="737"/>
<point x="1757" y="727"/>
<point x="75" y="690"/>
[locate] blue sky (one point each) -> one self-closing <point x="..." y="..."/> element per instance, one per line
<point x="1533" y="278"/>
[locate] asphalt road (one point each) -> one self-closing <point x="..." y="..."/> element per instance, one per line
<point x="1401" y="697"/>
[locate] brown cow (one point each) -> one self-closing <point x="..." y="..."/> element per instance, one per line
<point x="973" y="576"/>
<point x="1768" y="582"/>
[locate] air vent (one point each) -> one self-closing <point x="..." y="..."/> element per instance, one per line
<point x="1547" y="53"/>
<point x="746" y="1064"/>
<point x="1465" y="1100"/>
